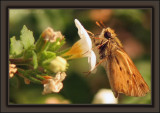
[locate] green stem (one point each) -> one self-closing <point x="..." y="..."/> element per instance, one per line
<point x="22" y="73"/>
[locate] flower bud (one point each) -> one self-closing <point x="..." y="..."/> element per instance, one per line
<point x="58" y="64"/>
<point x="50" y="35"/>
<point x="47" y="38"/>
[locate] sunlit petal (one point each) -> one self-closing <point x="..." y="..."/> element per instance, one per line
<point x="92" y="60"/>
<point x="83" y="34"/>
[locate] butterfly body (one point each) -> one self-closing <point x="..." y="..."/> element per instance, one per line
<point x="123" y="75"/>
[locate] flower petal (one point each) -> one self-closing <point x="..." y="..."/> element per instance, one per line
<point x="83" y="34"/>
<point x="83" y="46"/>
<point x="92" y="60"/>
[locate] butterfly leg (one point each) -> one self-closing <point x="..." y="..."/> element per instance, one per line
<point x="93" y="35"/>
<point x="97" y="47"/>
<point x="101" y="44"/>
<point x="90" y="32"/>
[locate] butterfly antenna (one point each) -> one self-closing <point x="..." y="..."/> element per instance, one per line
<point x="98" y="24"/>
<point x="101" y="22"/>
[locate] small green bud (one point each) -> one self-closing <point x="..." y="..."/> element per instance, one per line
<point x="58" y="64"/>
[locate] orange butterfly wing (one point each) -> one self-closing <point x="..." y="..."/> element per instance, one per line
<point x="123" y="75"/>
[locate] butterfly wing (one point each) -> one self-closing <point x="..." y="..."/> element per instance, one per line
<point x="123" y="75"/>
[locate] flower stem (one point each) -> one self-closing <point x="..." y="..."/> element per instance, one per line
<point x="20" y="61"/>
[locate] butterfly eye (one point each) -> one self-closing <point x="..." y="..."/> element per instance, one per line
<point x="107" y="35"/>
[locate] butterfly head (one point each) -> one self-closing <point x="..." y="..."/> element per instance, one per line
<point x="108" y="33"/>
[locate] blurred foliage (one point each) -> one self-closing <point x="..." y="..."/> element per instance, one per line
<point x="132" y="27"/>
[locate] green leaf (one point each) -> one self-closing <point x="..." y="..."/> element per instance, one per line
<point x="16" y="46"/>
<point x="35" y="62"/>
<point x="28" y="54"/>
<point x="27" y="37"/>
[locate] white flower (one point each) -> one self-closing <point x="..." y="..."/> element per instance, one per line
<point x="83" y="47"/>
<point x="105" y="96"/>
<point x="86" y="43"/>
<point x="55" y="84"/>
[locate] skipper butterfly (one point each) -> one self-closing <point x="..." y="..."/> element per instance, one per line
<point x="123" y="75"/>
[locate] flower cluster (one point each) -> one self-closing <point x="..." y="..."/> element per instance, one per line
<point x="44" y="63"/>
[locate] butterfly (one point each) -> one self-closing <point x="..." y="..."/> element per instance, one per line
<point x="123" y="75"/>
